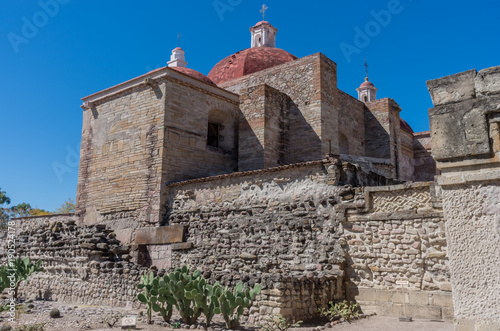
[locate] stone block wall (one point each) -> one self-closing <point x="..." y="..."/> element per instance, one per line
<point x="309" y="233"/>
<point x="143" y="133"/>
<point x="277" y="228"/>
<point x="188" y="110"/>
<point x="121" y="152"/>
<point x="263" y="128"/>
<point x="351" y="124"/>
<point x="382" y="132"/>
<point x="425" y="166"/>
<point x="466" y="145"/>
<point x="311" y="84"/>
<point x="407" y="158"/>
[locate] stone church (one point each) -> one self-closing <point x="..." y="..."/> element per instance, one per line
<point x="265" y="172"/>
<point x="258" y="108"/>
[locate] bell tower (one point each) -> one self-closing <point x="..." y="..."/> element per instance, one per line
<point x="263" y="33"/>
<point x="367" y="91"/>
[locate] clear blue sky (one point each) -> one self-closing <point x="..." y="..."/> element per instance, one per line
<point x="51" y="57"/>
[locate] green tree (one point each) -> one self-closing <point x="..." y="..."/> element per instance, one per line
<point x="20" y="210"/>
<point x="68" y="207"/>
<point x="4" y="215"/>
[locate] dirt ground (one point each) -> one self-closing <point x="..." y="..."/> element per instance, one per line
<point x="382" y="323"/>
<point x="82" y="317"/>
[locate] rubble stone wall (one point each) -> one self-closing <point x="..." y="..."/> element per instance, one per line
<point x="83" y="264"/>
<point x="277" y="229"/>
<point x="309" y="233"/>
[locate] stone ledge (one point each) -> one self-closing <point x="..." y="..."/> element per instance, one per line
<point x="460" y="178"/>
<point x="181" y="246"/>
<point x="158" y="236"/>
<point x="404" y="215"/>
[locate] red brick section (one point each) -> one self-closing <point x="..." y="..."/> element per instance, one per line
<point x="195" y="74"/>
<point x="247" y="62"/>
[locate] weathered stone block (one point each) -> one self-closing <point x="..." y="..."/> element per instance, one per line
<point x="448" y="313"/>
<point x="443" y="299"/>
<point x="454" y="88"/>
<point x="424" y="312"/>
<point x="419" y="298"/>
<point x="487" y="81"/>
<point x="161" y="235"/>
<point x="459" y="130"/>
<point x="124" y="235"/>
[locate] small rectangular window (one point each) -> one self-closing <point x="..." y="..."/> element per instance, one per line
<point x="213" y="135"/>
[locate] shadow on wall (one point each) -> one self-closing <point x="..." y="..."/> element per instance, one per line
<point x="304" y="144"/>
<point x="425" y="165"/>
<point x="287" y="135"/>
<point x="377" y="140"/>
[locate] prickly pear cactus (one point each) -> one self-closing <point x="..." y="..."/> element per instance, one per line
<point x="146" y="296"/>
<point x="183" y="289"/>
<point x="232" y="303"/>
<point x="207" y="299"/>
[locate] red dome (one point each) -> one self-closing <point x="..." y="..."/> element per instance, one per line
<point x="366" y="84"/>
<point x="247" y="62"/>
<point x="195" y="74"/>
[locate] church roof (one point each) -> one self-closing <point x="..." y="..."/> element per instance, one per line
<point x="405" y="126"/>
<point x="195" y="74"/>
<point x="247" y="62"/>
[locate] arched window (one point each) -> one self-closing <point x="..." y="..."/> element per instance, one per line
<point x="220" y="130"/>
<point x="258" y="40"/>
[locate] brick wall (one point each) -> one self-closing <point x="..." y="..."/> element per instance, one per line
<point x="310" y="82"/>
<point x="406" y="161"/>
<point x="137" y="136"/>
<point x="382" y="131"/>
<point x="121" y="156"/>
<point x="263" y="129"/>
<point x="351" y="123"/>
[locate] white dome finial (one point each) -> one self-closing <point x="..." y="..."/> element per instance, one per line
<point x="177" y="58"/>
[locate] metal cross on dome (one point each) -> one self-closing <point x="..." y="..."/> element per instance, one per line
<point x="263" y="11"/>
<point x="366" y="68"/>
<point x="179" y="40"/>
